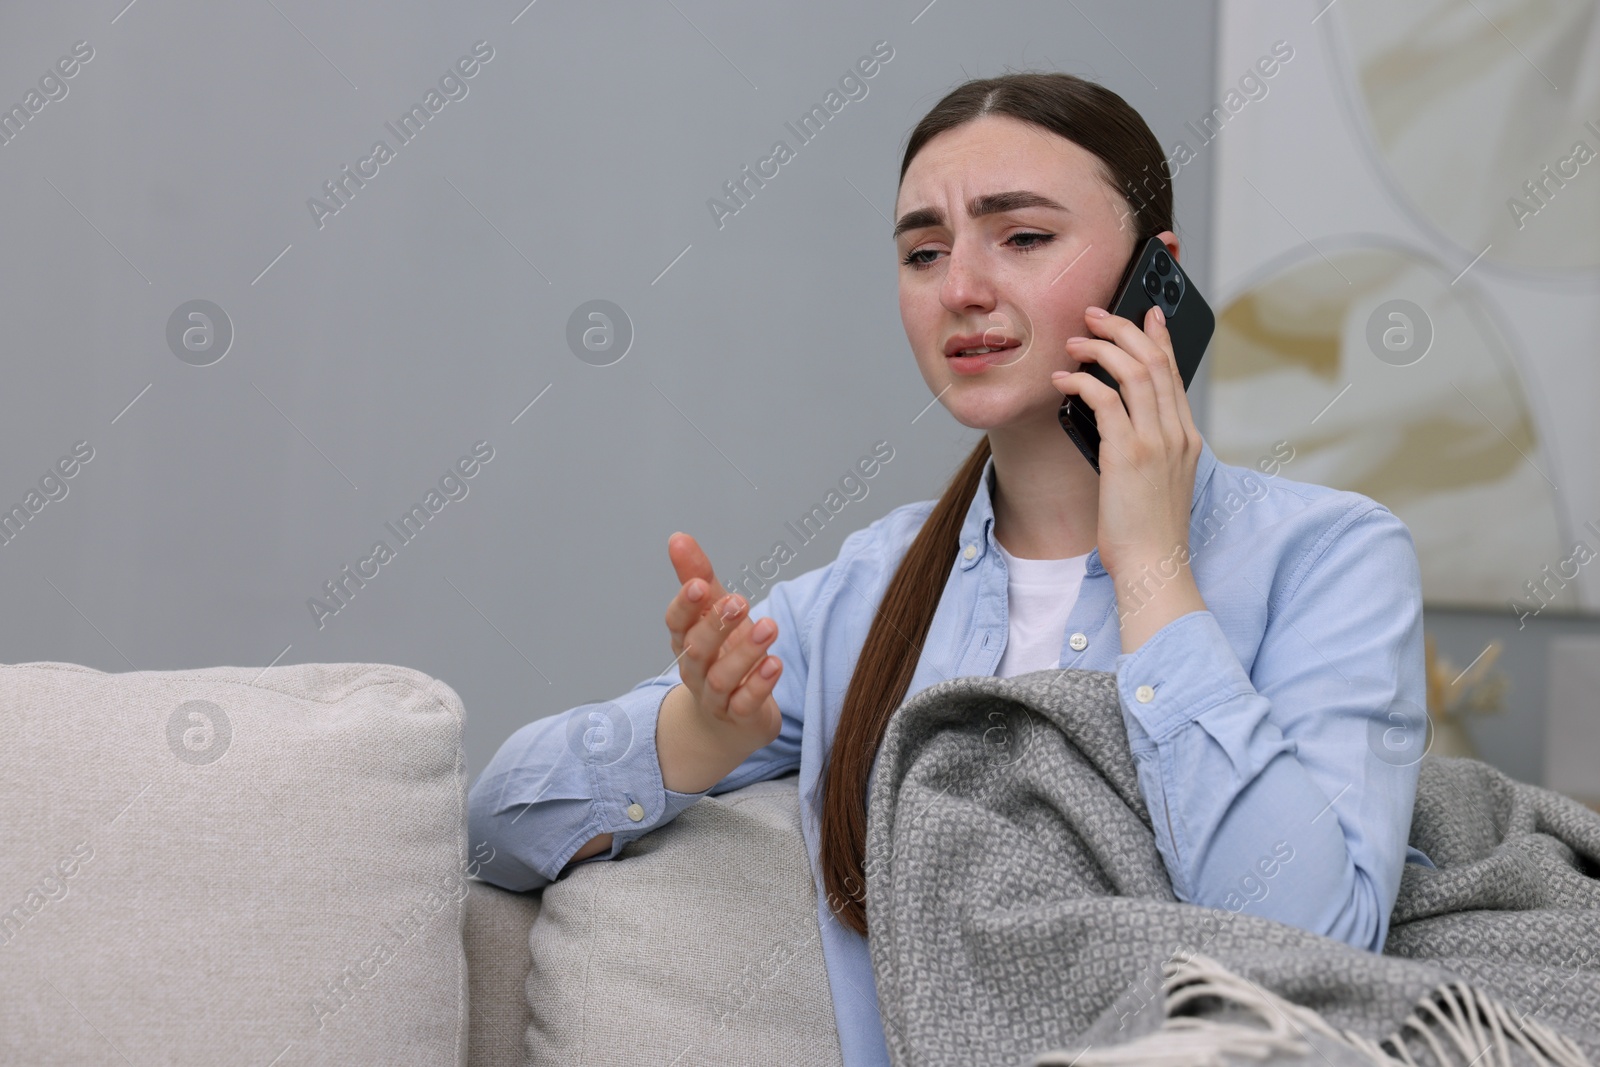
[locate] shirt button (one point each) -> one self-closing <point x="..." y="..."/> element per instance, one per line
<point x="635" y="812"/>
<point x="1144" y="694"/>
<point x="1078" y="642"/>
<point x="972" y="550"/>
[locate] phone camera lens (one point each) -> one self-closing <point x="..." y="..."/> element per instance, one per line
<point x="1163" y="264"/>
<point x="1152" y="282"/>
<point x="1171" y="291"/>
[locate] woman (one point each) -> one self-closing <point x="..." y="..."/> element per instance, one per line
<point x="1266" y="634"/>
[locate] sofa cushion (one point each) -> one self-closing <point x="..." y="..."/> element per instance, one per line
<point x="497" y="970"/>
<point x="231" y="865"/>
<point x="698" y="944"/>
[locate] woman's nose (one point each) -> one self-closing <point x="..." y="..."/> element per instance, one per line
<point x="966" y="281"/>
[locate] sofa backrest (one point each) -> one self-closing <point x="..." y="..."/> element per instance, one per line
<point x="698" y="944"/>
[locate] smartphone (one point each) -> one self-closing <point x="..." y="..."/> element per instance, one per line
<point x="1152" y="277"/>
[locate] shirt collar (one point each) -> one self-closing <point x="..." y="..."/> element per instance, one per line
<point x="977" y="531"/>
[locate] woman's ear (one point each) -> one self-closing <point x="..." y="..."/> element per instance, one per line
<point x="1170" y="239"/>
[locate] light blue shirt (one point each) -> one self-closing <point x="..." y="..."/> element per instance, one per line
<point x="1276" y="735"/>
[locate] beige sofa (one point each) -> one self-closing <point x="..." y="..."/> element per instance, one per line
<point x="271" y="868"/>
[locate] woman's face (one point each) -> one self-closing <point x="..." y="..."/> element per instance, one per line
<point x="1019" y="276"/>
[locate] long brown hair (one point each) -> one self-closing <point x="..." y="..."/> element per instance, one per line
<point x="1132" y="163"/>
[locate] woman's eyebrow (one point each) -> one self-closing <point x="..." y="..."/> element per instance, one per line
<point x="991" y="204"/>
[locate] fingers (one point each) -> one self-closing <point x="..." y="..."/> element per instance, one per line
<point x="1129" y="373"/>
<point x="697" y="597"/>
<point x="700" y="590"/>
<point x="1156" y="327"/>
<point x="756" y="689"/>
<point x="1143" y="364"/>
<point x="1110" y="417"/>
<point x="694" y="599"/>
<point x="689" y="560"/>
<point x="722" y="653"/>
<point x="1179" y="420"/>
<point x="723" y="648"/>
<point x="711" y="631"/>
<point x="697" y="642"/>
<point x="735" y="681"/>
<point x="1155" y="375"/>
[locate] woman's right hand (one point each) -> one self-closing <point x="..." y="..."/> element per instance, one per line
<point x="721" y="653"/>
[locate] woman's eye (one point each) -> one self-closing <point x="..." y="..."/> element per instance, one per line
<point x="1034" y="241"/>
<point x="1044" y="239"/>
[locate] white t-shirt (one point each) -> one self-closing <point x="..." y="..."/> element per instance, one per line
<point x="1040" y="595"/>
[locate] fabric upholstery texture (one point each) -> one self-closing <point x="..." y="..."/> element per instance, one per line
<point x="698" y="944"/>
<point x="497" y="971"/>
<point x="232" y="865"/>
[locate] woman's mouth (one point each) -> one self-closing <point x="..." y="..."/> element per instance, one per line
<point x="981" y="358"/>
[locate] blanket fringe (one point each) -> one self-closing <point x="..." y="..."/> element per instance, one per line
<point x="1475" y="1028"/>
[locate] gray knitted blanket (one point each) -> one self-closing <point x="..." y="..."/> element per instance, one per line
<point x="1020" y="913"/>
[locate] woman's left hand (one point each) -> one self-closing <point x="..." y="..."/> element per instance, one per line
<point x="1148" y="450"/>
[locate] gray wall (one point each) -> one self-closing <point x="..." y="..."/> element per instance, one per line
<point x="373" y="347"/>
<point x="430" y="310"/>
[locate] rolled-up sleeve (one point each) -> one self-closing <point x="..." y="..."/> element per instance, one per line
<point x="558" y="782"/>
<point x="1287" y="791"/>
